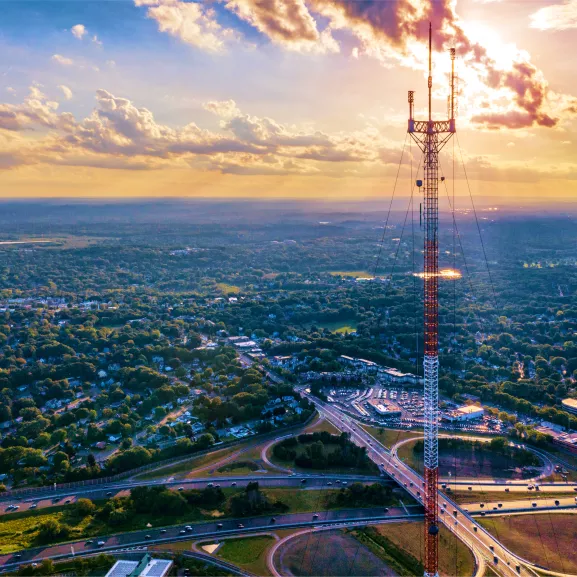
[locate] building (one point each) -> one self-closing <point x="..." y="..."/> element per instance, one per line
<point x="566" y="441"/>
<point x="383" y="409"/>
<point x="466" y="413"/>
<point x="570" y="405"/>
<point x="146" y="567"/>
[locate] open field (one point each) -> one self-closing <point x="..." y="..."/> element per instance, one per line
<point x="466" y="462"/>
<point x="389" y="437"/>
<point x="455" y="559"/>
<point x="341" y="327"/>
<point x="323" y="426"/>
<point x="227" y="288"/>
<point x="187" y="468"/>
<point x="547" y="539"/>
<point x="248" y="553"/>
<point x="328" y="553"/>
<point x="351" y="273"/>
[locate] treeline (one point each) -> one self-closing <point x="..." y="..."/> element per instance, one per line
<point x="321" y="450"/>
<point x="359" y="495"/>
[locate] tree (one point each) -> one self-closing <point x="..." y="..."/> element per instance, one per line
<point x="85" y="507"/>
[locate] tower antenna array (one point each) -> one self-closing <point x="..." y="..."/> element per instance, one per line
<point x="431" y="136"/>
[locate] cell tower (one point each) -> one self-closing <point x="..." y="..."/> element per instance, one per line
<point x="431" y="136"/>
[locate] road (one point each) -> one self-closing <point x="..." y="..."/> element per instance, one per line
<point x="96" y="492"/>
<point x="483" y="544"/>
<point x="210" y="529"/>
<point x="565" y="504"/>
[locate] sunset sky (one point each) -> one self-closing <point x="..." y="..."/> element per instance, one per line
<point x="281" y="98"/>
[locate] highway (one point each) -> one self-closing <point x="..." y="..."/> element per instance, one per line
<point x="565" y="504"/>
<point x="96" y="492"/>
<point x="342" y="517"/>
<point x="483" y="544"/>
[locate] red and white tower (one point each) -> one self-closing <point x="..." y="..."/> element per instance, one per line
<point x="431" y="136"/>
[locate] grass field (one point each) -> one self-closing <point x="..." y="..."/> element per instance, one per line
<point x="239" y="468"/>
<point x="466" y="462"/>
<point x="187" y="467"/>
<point x="227" y="288"/>
<point x="547" y="539"/>
<point x="389" y="437"/>
<point x="455" y="559"/>
<point x="341" y="327"/>
<point x="351" y="273"/>
<point x="248" y="553"/>
<point x="323" y="426"/>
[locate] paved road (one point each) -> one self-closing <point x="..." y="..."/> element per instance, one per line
<point x="566" y="504"/>
<point x="482" y="543"/>
<point x="209" y="529"/>
<point x="96" y="492"/>
<point x="487" y="486"/>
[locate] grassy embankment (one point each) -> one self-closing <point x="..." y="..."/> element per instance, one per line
<point x="247" y="553"/>
<point x="390" y="437"/>
<point x="493" y="497"/>
<point x="401" y="547"/>
<point x="545" y="539"/>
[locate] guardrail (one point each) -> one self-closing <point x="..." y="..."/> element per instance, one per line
<point x="11" y="493"/>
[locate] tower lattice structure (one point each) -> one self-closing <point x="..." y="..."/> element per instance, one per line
<point x="431" y="136"/>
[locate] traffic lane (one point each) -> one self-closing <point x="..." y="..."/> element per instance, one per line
<point x="310" y="482"/>
<point x="495" y="487"/>
<point x="520" y="504"/>
<point x="122" y="540"/>
<point x="170" y="482"/>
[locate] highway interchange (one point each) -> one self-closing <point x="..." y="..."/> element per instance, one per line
<point x="459" y="519"/>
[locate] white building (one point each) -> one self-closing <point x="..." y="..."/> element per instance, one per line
<point x="570" y="405"/>
<point x="466" y="413"/>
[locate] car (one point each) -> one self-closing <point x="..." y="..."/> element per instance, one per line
<point x="482" y="513"/>
<point x="181" y="488"/>
<point x="100" y="543"/>
<point x="338" y="481"/>
<point x="491" y="547"/>
<point x="273" y="520"/>
<point x="240" y="526"/>
<point x="507" y="489"/>
<point x="188" y="528"/>
<point x="456" y="522"/>
<point x="556" y="502"/>
<point x="34" y="505"/>
<point x="534" y="504"/>
<point x="109" y="494"/>
<point x="89" y="542"/>
<point x="481" y="505"/>
<point x="182" y="532"/>
<point x="518" y="568"/>
<point x="316" y="516"/>
<point x="162" y="531"/>
<point x="17" y="555"/>
<point x="303" y="480"/>
<point x="495" y="559"/>
<point x="217" y="486"/>
<point x="219" y="526"/>
<point x="386" y="510"/>
<point x="67" y="501"/>
<point x="475" y="529"/>
<point x="210" y="484"/>
<point x="233" y="484"/>
<point x="147" y="537"/>
<point x="470" y="488"/>
<point x="15" y="507"/>
<point x="499" y="505"/>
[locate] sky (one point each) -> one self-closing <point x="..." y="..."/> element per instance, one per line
<point x="301" y="99"/>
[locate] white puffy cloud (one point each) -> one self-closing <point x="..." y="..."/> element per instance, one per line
<point x="118" y="133"/>
<point x="62" y="60"/>
<point x="78" y="31"/>
<point x="191" y="22"/>
<point x="556" y="17"/>
<point x="66" y="91"/>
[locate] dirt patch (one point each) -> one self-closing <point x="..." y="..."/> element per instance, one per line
<point x="328" y="554"/>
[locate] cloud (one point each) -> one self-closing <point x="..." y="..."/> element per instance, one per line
<point x="78" y="31"/>
<point x="285" y="22"/>
<point x="120" y="134"/>
<point x="59" y="59"/>
<point x="193" y="23"/>
<point x="66" y="91"/>
<point x="556" y="17"/>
